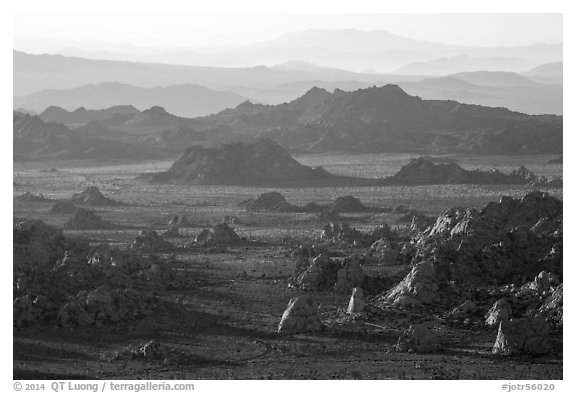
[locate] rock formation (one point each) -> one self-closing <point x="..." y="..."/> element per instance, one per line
<point x="420" y="286"/>
<point x="350" y="275"/>
<point x="523" y="336"/>
<point x="357" y="301"/>
<point x="320" y="274"/>
<point x="424" y="171"/>
<point x="300" y="316"/>
<point x="269" y="201"/>
<point x="385" y="252"/>
<point x="92" y="196"/>
<point x="260" y="163"/>
<point x="220" y="235"/>
<point x="500" y="311"/>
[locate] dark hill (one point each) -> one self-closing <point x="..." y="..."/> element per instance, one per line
<point x="423" y="171"/>
<point x="92" y="196"/>
<point x="263" y="162"/>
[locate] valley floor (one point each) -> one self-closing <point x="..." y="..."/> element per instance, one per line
<point x="223" y="324"/>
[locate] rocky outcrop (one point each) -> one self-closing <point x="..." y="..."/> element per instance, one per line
<point x="320" y="274"/>
<point x="269" y="201"/>
<point x="385" y="252"/>
<point x="220" y="235"/>
<point x="300" y="316"/>
<point x="260" y="163"/>
<point x="350" y="275"/>
<point x="92" y="196"/>
<point x="552" y="308"/>
<point x="422" y="171"/>
<point x="523" y="336"/>
<point x="349" y="204"/>
<point x="499" y="244"/>
<point x="357" y="302"/>
<point x="500" y="311"/>
<point x="420" y="286"/>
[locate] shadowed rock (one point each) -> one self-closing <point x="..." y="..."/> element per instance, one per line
<point x="92" y="196"/>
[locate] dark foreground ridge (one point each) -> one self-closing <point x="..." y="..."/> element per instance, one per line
<point x="267" y="163"/>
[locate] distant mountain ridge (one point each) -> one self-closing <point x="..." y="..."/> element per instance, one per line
<point x="386" y="118"/>
<point x="184" y="100"/>
<point x="81" y="115"/>
<point x="349" y="49"/>
<point x="34" y="139"/>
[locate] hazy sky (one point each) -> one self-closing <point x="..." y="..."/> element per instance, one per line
<point x="198" y="30"/>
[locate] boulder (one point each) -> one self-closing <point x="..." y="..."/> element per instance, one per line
<point x="544" y="280"/>
<point x="420" y="286"/>
<point x="269" y="201"/>
<point x="419" y="338"/>
<point x="385" y="252"/>
<point x="321" y="274"/>
<point x="300" y="316"/>
<point x="357" y="302"/>
<point x="500" y="311"/>
<point x="220" y="235"/>
<point x="523" y="336"/>
<point x="552" y="307"/>
<point x="348" y="204"/>
<point x="350" y="275"/>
